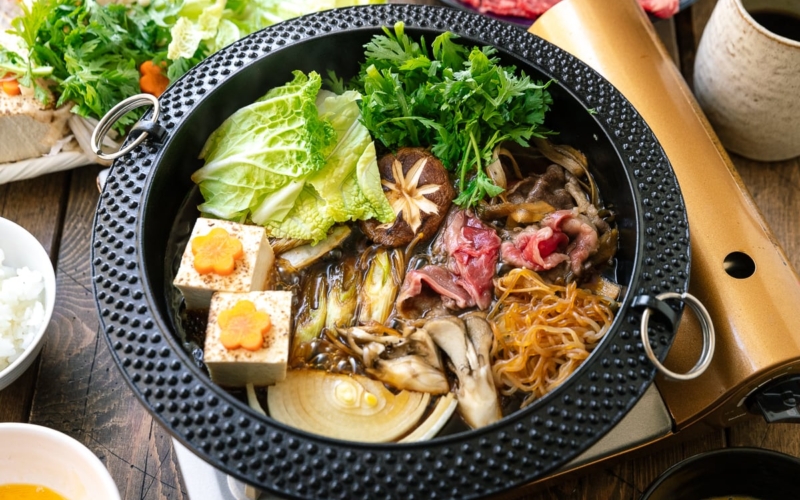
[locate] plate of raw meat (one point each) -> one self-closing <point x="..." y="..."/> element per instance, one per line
<point x="523" y="12"/>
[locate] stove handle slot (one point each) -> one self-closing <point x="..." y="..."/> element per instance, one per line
<point x="778" y="400"/>
<point x="141" y="131"/>
<point x="649" y="304"/>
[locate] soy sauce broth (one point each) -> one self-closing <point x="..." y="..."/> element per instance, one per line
<point x="190" y="326"/>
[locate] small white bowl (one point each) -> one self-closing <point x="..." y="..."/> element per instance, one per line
<point x="32" y="454"/>
<point x="21" y="249"/>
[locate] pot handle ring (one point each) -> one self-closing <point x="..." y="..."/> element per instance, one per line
<point x="138" y="133"/>
<point x="707" y="327"/>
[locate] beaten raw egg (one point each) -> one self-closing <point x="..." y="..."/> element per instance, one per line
<point x="28" y="492"/>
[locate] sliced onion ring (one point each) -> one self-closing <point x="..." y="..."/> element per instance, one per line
<point x="353" y="408"/>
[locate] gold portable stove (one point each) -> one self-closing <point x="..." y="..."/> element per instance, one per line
<point x="739" y="271"/>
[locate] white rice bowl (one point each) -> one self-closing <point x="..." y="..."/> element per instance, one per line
<point x="21" y="310"/>
<point x="27" y="299"/>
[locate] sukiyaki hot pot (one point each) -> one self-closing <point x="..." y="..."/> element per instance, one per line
<point x="148" y="211"/>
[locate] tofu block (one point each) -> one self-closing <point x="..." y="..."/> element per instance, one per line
<point x="249" y="275"/>
<point x="238" y="367"/>
<point x="28" y="128"/>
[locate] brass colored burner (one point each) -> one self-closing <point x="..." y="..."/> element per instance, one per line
<point x="739" y="271"/>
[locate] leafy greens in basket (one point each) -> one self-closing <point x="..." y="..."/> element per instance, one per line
<point x="90" y="54"/>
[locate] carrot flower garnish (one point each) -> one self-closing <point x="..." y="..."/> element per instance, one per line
<point x="216" y="252"/>
<point x="243" y="326"/>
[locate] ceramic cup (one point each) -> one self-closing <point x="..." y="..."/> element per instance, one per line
<point x="32" y="454"/>
<point x="747" y="80"/>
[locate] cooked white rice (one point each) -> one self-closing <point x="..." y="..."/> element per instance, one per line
<point x="21" y="310"/>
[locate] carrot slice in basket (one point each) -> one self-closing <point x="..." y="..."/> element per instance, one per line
<point x="243" y="326"/>
<point x="10" y="85"/>
<point x="152" y="80"/>
<point x="216" y="252"/>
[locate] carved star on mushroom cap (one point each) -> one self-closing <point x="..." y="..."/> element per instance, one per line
<point x="406" y="197"/>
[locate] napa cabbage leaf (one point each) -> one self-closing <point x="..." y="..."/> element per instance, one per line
<point x="262" y="148"/>
<point x="350" y="180"/>
<point x="217" y="23"/>
<point x="296" y="161"/>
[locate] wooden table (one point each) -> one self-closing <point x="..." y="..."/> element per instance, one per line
<point x="75" y="387"/>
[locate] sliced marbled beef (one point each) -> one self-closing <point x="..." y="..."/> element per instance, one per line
<point x="535" y="8"/>
<point x="473" y="248"/>
<point x="535" y="248"/>
<point x="564" y="235"/>
<point x="519" y="8"/>
<point x="414" y="301"/>
<point x="465" y="280"/>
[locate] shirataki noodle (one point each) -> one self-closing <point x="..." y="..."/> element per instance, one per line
<point x="542" y="332"/>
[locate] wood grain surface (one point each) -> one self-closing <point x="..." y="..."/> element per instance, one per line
<point x="76" y="388"/>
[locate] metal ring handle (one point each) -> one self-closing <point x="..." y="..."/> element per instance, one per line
<point x="709" y="339"/>
<point x="117" y="112"/>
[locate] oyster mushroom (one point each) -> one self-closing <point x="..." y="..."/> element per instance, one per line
<point x="467" y="343"/>
<point x="410" y="373"/>
<point x="414" y="365"/>
<point x="406" y="363"/>
<point x="419" y="190"/>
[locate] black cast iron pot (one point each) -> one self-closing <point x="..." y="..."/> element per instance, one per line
<point x="147" y="188"/>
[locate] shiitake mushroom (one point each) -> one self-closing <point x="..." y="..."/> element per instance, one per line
<point x="420" y="196"/>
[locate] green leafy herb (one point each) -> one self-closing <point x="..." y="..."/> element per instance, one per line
<point x="94" y="51"/>
<point x="12" y="62"/>
<point x="26" y="27"/>
<point x="334" y="83"/>
<point x="460" y="101"/>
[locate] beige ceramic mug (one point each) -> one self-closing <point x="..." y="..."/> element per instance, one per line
<point x="747" y="78"/>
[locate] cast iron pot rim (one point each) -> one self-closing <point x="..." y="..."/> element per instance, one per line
<point x="518" y="449"/>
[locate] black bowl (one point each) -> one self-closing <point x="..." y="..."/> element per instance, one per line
<point x="148" y="186"/>
<point x="729" y="473"/>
